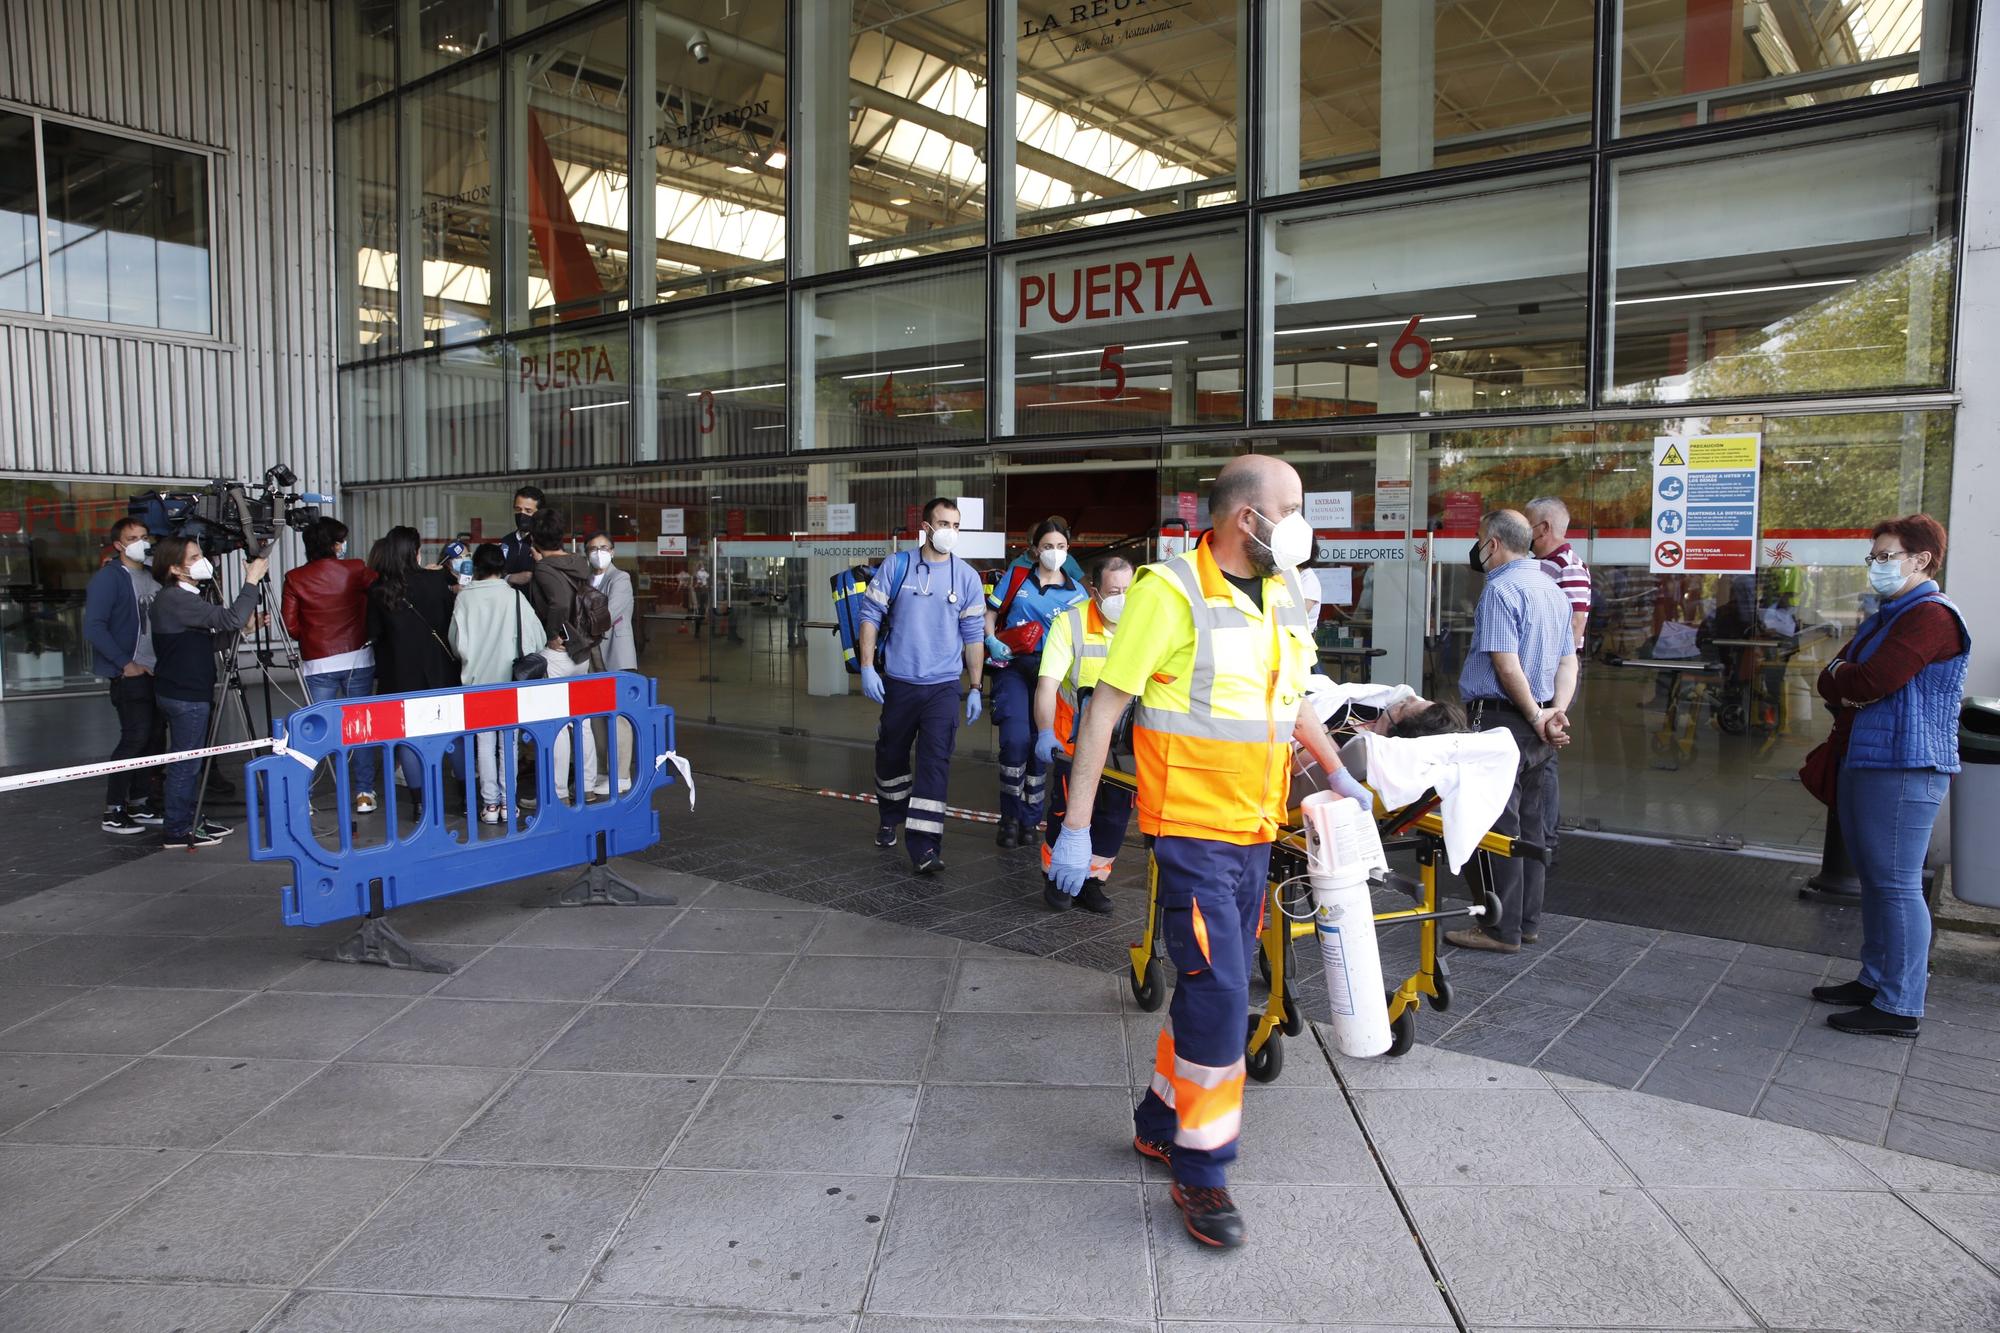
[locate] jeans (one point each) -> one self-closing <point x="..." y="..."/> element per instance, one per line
<point x="1886" y="816"/>
<point x="492" y="745"/>
<point x="187" y="728"/>
<point x="560" y="668"/>
<point x="138" y="734"/>
<point x="353" y="683"/>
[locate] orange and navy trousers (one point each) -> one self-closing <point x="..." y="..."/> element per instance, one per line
<point x="1109" y="819"/>
<point x="1212" y="898"/>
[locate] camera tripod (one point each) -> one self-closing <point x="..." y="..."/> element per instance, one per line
<point x="266" y="652"/>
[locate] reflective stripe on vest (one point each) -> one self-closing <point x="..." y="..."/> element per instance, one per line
<point x="1070" y="689"/>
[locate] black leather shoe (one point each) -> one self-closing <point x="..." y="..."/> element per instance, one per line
<point x="1009" y="834"/>
<point x="1053" y="895"/>
<point x="1868" y="1021"/>
<point x="885" y="836"/>
<point x="1847" y="992"/>
<point x="928" y="865"/>
<point x="1093" y="898"/>
<point x="1210" y="1215"/>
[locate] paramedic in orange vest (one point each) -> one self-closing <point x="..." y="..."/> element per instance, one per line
<point x="1072" y="657"/>
<point x="1214" y="647"/>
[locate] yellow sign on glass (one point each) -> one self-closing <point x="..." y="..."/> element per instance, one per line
<point x="1722" y="452"/>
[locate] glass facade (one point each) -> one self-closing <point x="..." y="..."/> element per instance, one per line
<point x="1069" y="258"/>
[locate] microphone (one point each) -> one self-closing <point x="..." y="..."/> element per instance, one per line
<point x="314" y="498"/>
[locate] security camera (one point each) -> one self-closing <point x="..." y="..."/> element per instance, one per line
<point x="698" y="47"/>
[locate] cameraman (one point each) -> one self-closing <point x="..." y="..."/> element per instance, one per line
<point x="325" y="607"/>
<point x="518" y="545"/>
<point x="185" y="626"/>
<point x="117" y="609"/>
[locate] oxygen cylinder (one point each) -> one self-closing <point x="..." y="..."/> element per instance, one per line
<point x="1344" y="921"/>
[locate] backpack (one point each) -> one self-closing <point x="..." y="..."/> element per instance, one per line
<point x="589" y="616"/>
<point x="849" y="587"/>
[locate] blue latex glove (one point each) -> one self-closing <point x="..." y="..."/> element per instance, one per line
<point x="973" y="707"/>
<point x="1069" y="862"/>
<point x="871" y="685"/>
<point x="1343" y="784"/>
<point x="1045" y="745"/>
<point x="997" y="652"/>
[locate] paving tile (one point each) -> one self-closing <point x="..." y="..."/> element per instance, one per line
<point x="594" y="927"/>
<point x="323" y="977"/>
<point x="1973" y="1220"/>
<point x="1428" y="1067"/>
<point x="1725" y="1053"/>
<point x="743" y="980"/>
<point x="1517" y="1007"/>
<point x="348" y="1312"/>
<point x="897" y="1323"/>
<point x="286" y="1026"/>
<point x="1825" y="1112"/>
<point x="1025" y="1133"/>
<point x="510" y="973"/>
<point x="1605" y="1051"/>
<point x="1674" y="942"/>
<point x="1570" y="983"/>
<point x="1496" y="1136"/>
<point x="49" y="1196"/>
<point x="1085" y="1254"/>
<point x="1667" y="1143"/>
<point x="12" y="942"/>
<point x="846" y="933"/>
<point x="649" y="1039"/>
<point x="571" y="1119"/>
<point x="713" y="896"/>
<point x="1818" y="1040"/>
<point x="1603" y="1258"/>
<point x="91" y="960"/>
<point x="1791" y="1255"/>
<point x="386" y="1110"/>
<point x="1946" y="1140"/>
<point x="1978" y="1107"/>
<point x="1292" y="1135"/>
<point x="1911" y="1174"/>
<point x="1373" y="1276"/>
<point x="1704" y="1087"/>
<point x="168" y="1103"/>
<point x="1073" y="1049"/>
<point x="1951" y="1038"/>
<point x="225" y="964"/>
<point x="466" y="919"/>
<point x="57" y="913"/>
<point x="1813" y="965"/>
<point x="58" y="1307"/>
<point x="774" y="1125"/>
<point x="1812" y="1073"/>
<point x="1959" y="1071"/>
<point x="739" y="932"/>
<point x="31" y="1084"/>
<point x="187" y="914"/>
<point x="1033" y="986"/>
<point x="850" y="1044"/>
<point x="864" y="983"/>
<point x="748" y="1240"/>
<point x="18" y="1004"/>
<point x="500" y="1033"/>
<point x="1511" y="1045"/>
<point x="645" y="1319"/>
<point x="113" y="1021"/>
<point x="236" y="1217"/>
<point x="458" y="1230"/>
<point x="1682" y="977"/>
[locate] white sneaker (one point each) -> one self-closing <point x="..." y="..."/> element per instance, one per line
<point x="364" y="803"/>
<point x="602" y="787"/>
<point x="491" y="814"/>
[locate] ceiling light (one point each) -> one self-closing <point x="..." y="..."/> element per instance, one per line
<point x="776" y="159"/>
<point x="741" y="388"/>
<point x="899" y="201"/>
<point x="738" y="169"/>
<point x="902" y="370"/>
<point x="1099" y="351"/>
<point x="1738" y="291"/>
<point x="1374" y="324"/>
<point x="592" y="407"/>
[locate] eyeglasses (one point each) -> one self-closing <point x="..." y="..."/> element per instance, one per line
<point x="1883" y="558"/>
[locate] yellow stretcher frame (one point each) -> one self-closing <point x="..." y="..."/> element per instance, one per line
<point x="1416" y="826"/>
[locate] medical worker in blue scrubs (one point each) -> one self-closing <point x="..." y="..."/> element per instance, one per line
<point x="1018" y="612"/>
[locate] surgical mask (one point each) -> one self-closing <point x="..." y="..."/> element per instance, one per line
<point x="201" y="571"/>
<point x="601" y="559"/>
<point x="1472" y="558"/>
<point x="1052" y="559"/>
<point x="1290" y="542"/>
<point x="137" y="551"/>
<point x="462" y="567"/>
<point x="340" y="551"/>
<point x="944" y="540"/>
<point x="1111" y="607"/>
<point x="522" y="522"/>
<point x="1887" y="579"/>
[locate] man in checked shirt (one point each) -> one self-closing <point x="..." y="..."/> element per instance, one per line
<point x="1548" y="519"/>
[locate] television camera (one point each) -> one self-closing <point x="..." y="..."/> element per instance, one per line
<point x="226" y="516"/>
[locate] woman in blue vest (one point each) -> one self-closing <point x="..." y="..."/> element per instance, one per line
<point x="1018" y="612"/>
<point x="1895" y="693"/>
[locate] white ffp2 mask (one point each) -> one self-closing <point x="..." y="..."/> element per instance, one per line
<point x="1291" y="540"/>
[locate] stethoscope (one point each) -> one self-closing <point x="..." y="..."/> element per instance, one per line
<point x="951" y="564"/>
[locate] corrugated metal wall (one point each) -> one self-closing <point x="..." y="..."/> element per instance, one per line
<point x="247" y="77"/>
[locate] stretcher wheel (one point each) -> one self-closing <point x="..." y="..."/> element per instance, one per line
<point x="1266" y="1062"/>
<point x="1442" y="1000"/>
<point x="1403" y="1030"/>
<point x="1490" y="901"/>
<point x="1151" y="993"/>
<point x="1295" y="1021"/>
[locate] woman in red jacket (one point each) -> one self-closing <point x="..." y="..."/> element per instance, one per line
<point x="325" y="606"/>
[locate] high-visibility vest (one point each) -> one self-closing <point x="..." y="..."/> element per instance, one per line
<point x="1090" y="642"/>
<point x="1213" y="747"/>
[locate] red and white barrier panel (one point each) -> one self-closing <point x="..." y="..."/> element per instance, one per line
<point x="476" y="709"/>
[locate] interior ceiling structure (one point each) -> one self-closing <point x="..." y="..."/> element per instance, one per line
<point x="1136" y="123"/>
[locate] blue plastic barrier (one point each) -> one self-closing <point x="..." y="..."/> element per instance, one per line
<point x="425" y="858"/>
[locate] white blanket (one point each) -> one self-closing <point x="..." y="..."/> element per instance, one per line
<point x="1472" y="773"/>
<point x="1329" y="697"/>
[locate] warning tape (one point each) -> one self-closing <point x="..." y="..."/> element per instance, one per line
<point x="50" y="776"/>
<point x="955" y="811"/>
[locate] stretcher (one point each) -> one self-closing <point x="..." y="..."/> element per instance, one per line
<point x="1415" y="828"/>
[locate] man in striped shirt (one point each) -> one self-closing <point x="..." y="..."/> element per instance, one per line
<point x="1548" y="520"/>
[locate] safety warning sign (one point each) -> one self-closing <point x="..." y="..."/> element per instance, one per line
<point x="1705" y="504"/>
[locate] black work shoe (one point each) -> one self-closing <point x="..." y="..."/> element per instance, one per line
<point x="1093" y="898"/>
<point x="1210" y="1215"/>
<point x="1009" y="834"/>
<point x="885" y="836"/>
<point x="928" y="865"/>
<point x="1847" y="992"/>
<point x="117" y="821"/>
<point x="1053" y="895"/>
<point x="1153" y="1148"/>
<point x="1868" y="1021"/>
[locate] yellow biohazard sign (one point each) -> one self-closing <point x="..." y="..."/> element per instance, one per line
<point x="1672" y="457"/>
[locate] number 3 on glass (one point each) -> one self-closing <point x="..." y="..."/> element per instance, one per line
<point x="1406" y="342"/>
<point x="707" y="412"/>
<point x="1109" y="364"/>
